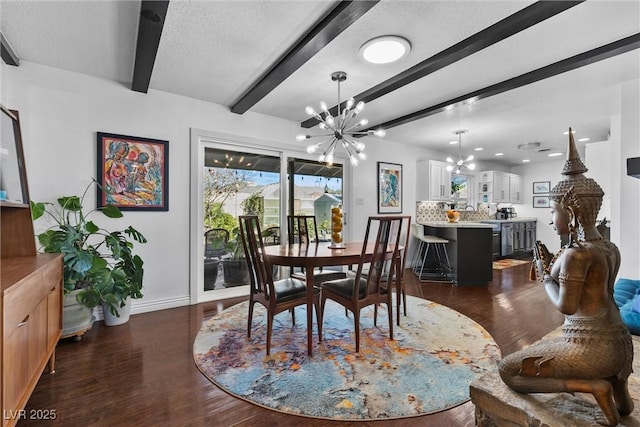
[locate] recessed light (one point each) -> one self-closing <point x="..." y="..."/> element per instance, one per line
<point x="555" y="154"/>
<point x="453" y="142"/>
<point x="525" y="160"/>
<point x="499" y="154"/>
<point x="449" y="107"/>
<point x="584" y="139"/>
<point x="567" y="132"/>
<point x="385" y="49"/>
<point x="478" y="149"/>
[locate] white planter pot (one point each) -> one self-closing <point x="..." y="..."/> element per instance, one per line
<point x="76" y="318"/>
<point x="111" y="320"/>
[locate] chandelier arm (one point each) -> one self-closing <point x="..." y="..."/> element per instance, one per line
<point x="358" y="132"/>
<point x="331" y="147"/>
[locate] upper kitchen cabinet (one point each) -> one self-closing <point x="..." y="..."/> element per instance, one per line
<point x="433" y="181"/>
<point x="499" y="187"/>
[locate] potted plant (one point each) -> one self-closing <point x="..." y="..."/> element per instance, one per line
<point x="234" y="267"/>
<point x="99" y="265"/>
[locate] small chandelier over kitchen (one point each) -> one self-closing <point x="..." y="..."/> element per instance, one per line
<point x="460" y="165"/>
<point x="341" y="128"/>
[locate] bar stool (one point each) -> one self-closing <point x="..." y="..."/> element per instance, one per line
<point x="441" y="271"/>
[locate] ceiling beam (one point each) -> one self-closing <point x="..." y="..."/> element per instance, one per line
<point x="8" y="55"/>
<point x="152" y="16"/>
<point x="521" y="20"/>
<point x="586" y="58"/>
<point x="334" y="23"/>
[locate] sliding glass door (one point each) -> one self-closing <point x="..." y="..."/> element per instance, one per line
<point x="232" y="178"/>
<point x="236" y="183"/>
<point x="313" y="189"/>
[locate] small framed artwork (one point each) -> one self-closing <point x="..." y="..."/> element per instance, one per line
<point x="541" y="187"/>
<point x="133" y="172"/>
<point x="541" y="202"/>
<point x="389" y="187"/>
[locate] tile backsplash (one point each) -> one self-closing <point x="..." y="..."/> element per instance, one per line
<point x="434" y="211"/>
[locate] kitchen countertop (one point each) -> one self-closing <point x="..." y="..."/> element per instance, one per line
<point x="460" y="224"/>
<point x="516" y="219"/>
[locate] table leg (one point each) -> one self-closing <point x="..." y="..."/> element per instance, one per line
<point x="309" y="272"/>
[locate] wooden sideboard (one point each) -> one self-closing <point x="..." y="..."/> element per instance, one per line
<point x="30" y="284"/>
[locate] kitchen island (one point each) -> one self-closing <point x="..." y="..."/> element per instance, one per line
<point x="469" y="249"/>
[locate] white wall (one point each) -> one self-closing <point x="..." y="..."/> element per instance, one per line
<point x="61" y="112"/>
<point x="628" y="203"/>
<point x="547" y="171"/>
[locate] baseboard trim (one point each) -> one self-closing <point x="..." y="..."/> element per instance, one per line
<point x="147" y="306"/>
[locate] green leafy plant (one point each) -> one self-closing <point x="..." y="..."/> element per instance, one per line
<point x="100" y="263"/>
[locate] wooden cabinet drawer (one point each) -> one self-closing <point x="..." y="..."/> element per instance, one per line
<point x="26" y="295"/>
<point x="16" y="366"/>
<point x="21" y="299"/>
<point x="54" y="315"/>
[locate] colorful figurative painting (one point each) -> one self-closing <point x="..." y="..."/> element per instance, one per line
<point x="133" y="172"/>
<point x="389" y="188"/>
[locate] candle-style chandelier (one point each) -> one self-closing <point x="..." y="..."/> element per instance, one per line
<point x="341" y="128"/>
<point x="460" y="164"/>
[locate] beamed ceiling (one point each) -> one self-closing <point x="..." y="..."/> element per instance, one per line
<point x="510" y="72"/>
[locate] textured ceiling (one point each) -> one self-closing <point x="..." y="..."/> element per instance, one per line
<point x="216" y="50"/>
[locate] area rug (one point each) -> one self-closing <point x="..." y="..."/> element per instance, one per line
<point x="501" y="264"/>
<point x="435" y="355"/>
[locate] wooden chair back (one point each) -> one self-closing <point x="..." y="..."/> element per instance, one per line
<point x="300" y="226"/>
<point x="386" y="243"/>
<point x="260" y="271"/>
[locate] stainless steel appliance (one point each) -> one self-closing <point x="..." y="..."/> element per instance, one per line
<point x="496" y="243"/>
<point x="506" y="213"/>
<point x="506" y="239"/>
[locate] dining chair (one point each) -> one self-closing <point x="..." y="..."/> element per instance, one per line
<point x="271" y="235"/>
<point x="359" y="291"/>
<point x="398" y="278"/>
<point x="275" y="296"/>
<point x="215" y="243"/>
<point x="299" y="229"/>
<point x="398" y="282"/>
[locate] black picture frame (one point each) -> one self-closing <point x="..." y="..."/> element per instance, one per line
<point x="541" y="202"/>
<point x="541" y="187"/>
<point x="389" y="188"/>
<point x="132" y="172"/>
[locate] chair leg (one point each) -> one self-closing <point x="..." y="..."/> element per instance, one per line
<point x="316" y="304"/>
<point x="356" y="319"/>
<point x="250" y="318"/>
<point x="323" y="301"/>
<point x="269" y="330"/>
<point x="293" y="316"/>
<point x="375" y="314"/>
<point x="390" y="310"/>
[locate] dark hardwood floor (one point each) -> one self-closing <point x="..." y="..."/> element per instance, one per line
<point x="142" y="373"/>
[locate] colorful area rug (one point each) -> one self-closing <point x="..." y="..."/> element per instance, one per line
<point x="427" y="368"/>
<point x="501" y="264"/>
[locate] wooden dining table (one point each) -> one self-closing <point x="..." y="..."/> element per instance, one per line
<point x="313" y="255"/>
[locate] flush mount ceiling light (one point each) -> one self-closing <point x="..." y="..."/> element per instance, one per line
<point x="529" y="146"/>
<point x="385" y="49"/>
<point x="459" y="165"/>
<point x="339" y="128"/>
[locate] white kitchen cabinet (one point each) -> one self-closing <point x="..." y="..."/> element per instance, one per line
<point x="439" y="181"/>
<point x="499" y="187"/>
<point x="433" y="181"/>
<point x="515" y="188"/>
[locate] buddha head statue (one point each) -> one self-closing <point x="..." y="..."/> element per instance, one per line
<point x="577" y="194"/>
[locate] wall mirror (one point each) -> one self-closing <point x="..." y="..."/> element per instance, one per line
<point x="13" y="176"/>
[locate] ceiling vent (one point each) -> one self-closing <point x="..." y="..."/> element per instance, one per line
<point x="528" y="146"/>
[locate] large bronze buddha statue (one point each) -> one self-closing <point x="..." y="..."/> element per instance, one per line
<point x="595" y="352"/>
